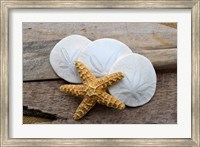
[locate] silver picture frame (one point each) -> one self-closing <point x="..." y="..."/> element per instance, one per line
<point x="7" y="5"/>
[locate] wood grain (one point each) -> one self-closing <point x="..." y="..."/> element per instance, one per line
<point x="40" y="88"/>
<point x="161" y="58"/>
<point x="32" y="119"/>
<point x="173" y="25"/>
<point x="162" y="109"/>
<point x="134" y="34"/>
<point x="36" y="65"/>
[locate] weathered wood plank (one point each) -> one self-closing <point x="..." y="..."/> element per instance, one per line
<point x="161" y="58"/>
<point x="162" y="108"/>
<point x="36" y="65"/>
<point x="134" y="34"/>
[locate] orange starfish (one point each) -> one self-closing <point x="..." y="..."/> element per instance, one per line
<point x="93" y="90"/>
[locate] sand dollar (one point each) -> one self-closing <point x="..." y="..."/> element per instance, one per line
<point x="64" y="54"/>
<point x="100" y="55"/>
<point x="139" y="83"/>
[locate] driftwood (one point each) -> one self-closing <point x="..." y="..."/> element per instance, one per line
<point x="46" y="97"/>
<point x="41" y="95"/>
<point x="161" y="58"/>
<point x="134" y="34"/>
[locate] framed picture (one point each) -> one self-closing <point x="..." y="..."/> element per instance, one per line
<point x="35" y="112"/>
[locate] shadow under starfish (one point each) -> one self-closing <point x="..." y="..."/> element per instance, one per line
<point x="93" y="90"/>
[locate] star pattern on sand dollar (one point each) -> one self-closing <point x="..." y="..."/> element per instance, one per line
<point x="93" y="90"/>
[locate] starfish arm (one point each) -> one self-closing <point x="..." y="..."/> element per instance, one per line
<point x="85" y="106"/>
<point x="84" y="73"/>
<point x="77" y="90"/>
<point x="106" y="81"/>
<point x="110" y="101"/>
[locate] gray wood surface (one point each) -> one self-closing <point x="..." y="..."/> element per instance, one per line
<point x="45" y="96"/>
<point x="40" y="88"/>
<point x="134" y="34"/>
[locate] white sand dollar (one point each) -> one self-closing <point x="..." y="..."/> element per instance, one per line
<point x="64" y="54"/>
<point x="100" y="55"/>
<point x="139" y="83"/>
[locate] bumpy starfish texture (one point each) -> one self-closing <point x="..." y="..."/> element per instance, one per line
<point x="93" y="90"/>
